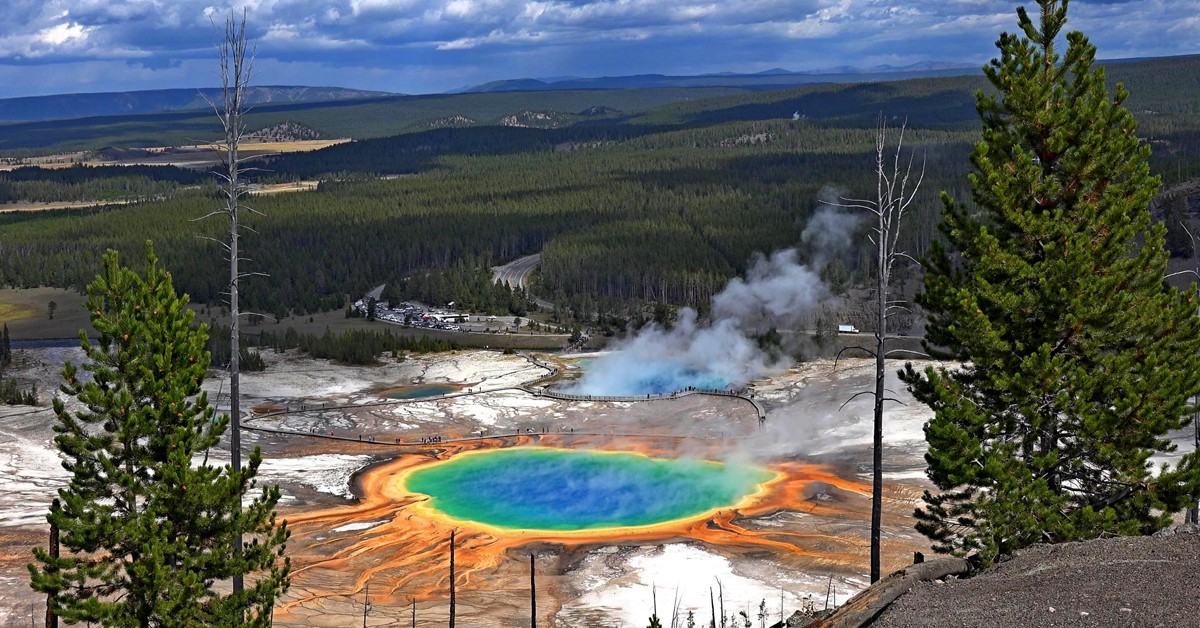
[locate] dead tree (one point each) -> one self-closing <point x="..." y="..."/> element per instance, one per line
<point x="713" y="605"/>
<point x="1193" y="512"/>
<point x="366" y="602"/>
<point x="235" y="61"/>
<point x="51" y="617"/>
<point x="532" y="594"/>
<point x="893" y="198"/>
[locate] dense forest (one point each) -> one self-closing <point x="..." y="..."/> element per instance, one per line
<point x="96" y="183"/>
<point x="663" y="217"/>
<point x="663" y="206"/>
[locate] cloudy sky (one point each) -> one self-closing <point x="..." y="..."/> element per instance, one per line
<point x="424" y="46"/>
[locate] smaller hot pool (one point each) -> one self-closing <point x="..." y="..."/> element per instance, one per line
<point x="420" y="391"/>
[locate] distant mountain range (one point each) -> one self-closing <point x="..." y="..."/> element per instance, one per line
<point x="767" y="79"/>
<point x="36" y="109"/>
<point x="66" y="106"/>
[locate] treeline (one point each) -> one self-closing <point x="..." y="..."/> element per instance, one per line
<point x="414" y="152"/>
<point x="10" y="392"/>
<point x="665" y="217"/>
<point x="360" y="347"/>
<point x="663" y="213"/>
<point x="357" y="347"/>
<point x="220" y="353"/>
<point x="95" y="183"/>
<point x="470" y="289"/>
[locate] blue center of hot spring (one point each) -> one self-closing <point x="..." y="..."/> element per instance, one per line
<point x="623" y="377"/>
<point x="565" y="490"/>
<point x="671" y="378"/>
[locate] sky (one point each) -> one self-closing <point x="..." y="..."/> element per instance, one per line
<point x="429" y="46"/>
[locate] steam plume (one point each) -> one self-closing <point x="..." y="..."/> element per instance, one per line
<point x="831" y="229"/>
<point x="720" y="353"/>
<point x="777" y="292"/>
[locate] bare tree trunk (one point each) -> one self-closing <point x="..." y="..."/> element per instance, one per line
<point x="721" y="600"/>
<point x="1193" y="513"/>
<point x="892" y="200"/>
<point x="366" y="602"/>
<point x="235" y="76"/>
<point x="51" y="618"/>
<point x="877" y="448"/>
<point x="532" y="594"/>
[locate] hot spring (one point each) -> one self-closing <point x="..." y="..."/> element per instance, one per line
<point x="624" y="376"/>
<point x="420" y="391"/>
<point x="571" y="490"/>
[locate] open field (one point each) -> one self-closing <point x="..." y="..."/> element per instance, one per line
<point x="22" y="206"/>
<point x="26" y="312"/>
<point x="191" y="156"/>
<point x="276" y="188"/>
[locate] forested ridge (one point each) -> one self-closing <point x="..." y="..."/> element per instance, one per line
<point x="664" y="207"/>
<point x="95" y="183"/>
<point x="666" y="217"/>
<point x="355" y="118"/>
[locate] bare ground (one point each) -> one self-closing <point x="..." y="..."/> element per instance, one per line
<point x="1139" y="582"/>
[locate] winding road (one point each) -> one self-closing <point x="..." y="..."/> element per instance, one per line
<point x="515" y="274"/>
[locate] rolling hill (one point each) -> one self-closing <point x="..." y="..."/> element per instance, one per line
<point x="68" y="106"/>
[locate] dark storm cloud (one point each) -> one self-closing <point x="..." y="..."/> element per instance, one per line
<point x="425" y="45"/>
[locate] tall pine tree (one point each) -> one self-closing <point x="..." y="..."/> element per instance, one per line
<point x="5" y="348"/>
<point x="147" y="525"/>
<point x="1076" y="359"/>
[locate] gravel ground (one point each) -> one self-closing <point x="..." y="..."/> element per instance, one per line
<point x="1141" y="582"/>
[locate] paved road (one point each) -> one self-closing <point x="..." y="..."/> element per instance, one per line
<point x="516" y="274"/>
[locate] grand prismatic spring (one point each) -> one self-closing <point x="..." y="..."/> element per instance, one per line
<point x="604" y="498"/>
<point x="571" y="490"/>
<point x="397" y="536"/>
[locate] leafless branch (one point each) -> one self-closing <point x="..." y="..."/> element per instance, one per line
<point x="922" y="354"/>
<point x="845" y="349"/>
<point x="856" y="396"/>
<point x="249" y="313"/>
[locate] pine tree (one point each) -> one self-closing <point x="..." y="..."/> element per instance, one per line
<point x="5" y="348"/>
<point x="1076" y="359"/>
<point x="147" y="525"/>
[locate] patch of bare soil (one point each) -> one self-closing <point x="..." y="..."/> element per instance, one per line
<point x="1138" y="582"/>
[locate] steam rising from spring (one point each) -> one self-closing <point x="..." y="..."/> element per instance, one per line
<point x="718" y="353"/>
<point x="831" y="230"/>
<point x="777" y="292"/>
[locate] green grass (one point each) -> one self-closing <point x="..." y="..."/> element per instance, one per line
<point x="25" y="311"/>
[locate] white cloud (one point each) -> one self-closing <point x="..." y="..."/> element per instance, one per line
<point x="460" y="8"/>
<point x="63" y="33"/>
<point x="493" y="39"/>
